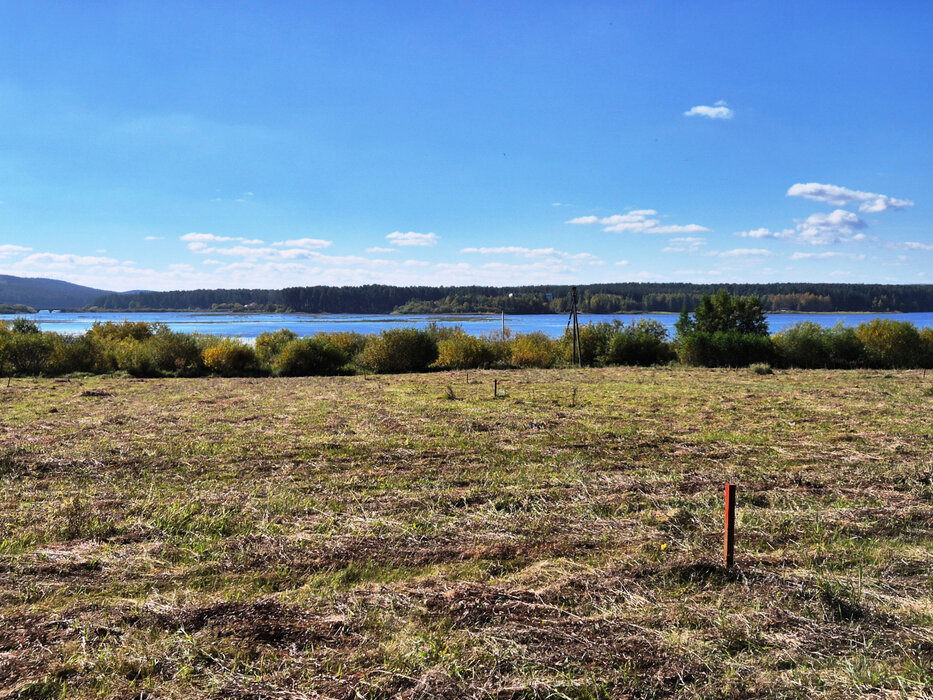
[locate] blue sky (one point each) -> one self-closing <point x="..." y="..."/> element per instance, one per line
<point x="178" y="145"/>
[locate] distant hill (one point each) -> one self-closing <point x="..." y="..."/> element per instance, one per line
<point x="41" y="293"/>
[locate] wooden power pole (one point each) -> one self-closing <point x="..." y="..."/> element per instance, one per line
<point x="574" y="323"/>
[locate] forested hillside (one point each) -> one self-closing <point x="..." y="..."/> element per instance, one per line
<point x="627" y="297"/>
<point x="41" y="293"/>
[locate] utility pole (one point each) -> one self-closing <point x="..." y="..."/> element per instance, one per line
<point x="574" y="323"/>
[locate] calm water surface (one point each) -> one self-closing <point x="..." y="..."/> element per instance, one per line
<point x="251" y="325"/>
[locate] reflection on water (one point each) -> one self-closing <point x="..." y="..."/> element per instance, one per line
<point x="251" y="325"/>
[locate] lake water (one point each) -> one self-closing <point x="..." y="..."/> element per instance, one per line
<point x="251" y="325"/>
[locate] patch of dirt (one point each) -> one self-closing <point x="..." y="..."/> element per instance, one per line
<point x="266" y="622"/>
<point x="94" y="392"/>
<point x="27" y="631"/>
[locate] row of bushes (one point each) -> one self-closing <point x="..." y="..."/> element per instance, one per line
<point x="144" y="349"/>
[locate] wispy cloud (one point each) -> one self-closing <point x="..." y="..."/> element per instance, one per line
<point x="869" y="202"/>
<point x="154" y="238"/>
<point x="915" y="245"/>
<point x="719" y="110"/>
<point x="828" y="255"/>
<point x="7" y="250"/>
<point x="765" y="233"/>
<point x="65" y="260"/>
<point x="245" y="197"/>
<point x="412" y="238"/>
<point x="689" y="244"/>
<point x="380" y="249"/>
<point x="636" y="221"/>
<point x="309" y="243"/>
<point x="530" y="252"/>
<point x="745" y="253"/>
<point x="198" y="242"/>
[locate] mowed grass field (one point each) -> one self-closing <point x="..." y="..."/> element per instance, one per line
<point x="412" y="536"/>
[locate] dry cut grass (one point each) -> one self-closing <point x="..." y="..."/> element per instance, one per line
<point x="415" y="537"/>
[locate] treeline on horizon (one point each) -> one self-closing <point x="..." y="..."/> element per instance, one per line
<point x="629" y="297"/>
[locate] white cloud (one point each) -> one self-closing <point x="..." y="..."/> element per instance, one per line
<point x="908" y="245"/>
<point x="719" y="111"/>
<point x="154" y="238"/>
<point x="205" y="238"/>
<point x="745" y="253"/>
<point x="65" y="260"/>
<point x="309" y="243"/>
<point x="622" y="263"/>
<point x="689" y="244"/>
<point x="637" y="221"/>
<point x="826" y="256"/>
<point x="839" y="226"/>
<point x="530" y="252"/>
<point x="181" y="267"/>
<point x="868" y="202"/>
<point x="380" y="249"/>
<point x="411" y="238"/>
<point x="197" y="242"/>
<point x="765" y="233"/>
<point x="8" y="249"/>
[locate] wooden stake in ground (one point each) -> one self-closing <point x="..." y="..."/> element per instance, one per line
<point x="728" y="555"/>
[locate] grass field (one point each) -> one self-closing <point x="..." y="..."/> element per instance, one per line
<point x="413" y="536"/>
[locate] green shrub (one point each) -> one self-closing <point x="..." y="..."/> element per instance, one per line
<point x="442" y="332"/>
<point x="25" y="326"/>
<point x="229" y="358"/>
<point x="926" y="348"/>
<point x="73" y="354"/>
<point x="175" y="353"/>
<point x="350" y="343"/>
<point x="803" y="345"/>
<point x="305" y="357"/>
<point x="133" y="357"/>
<point x="890" y="344"/>
<point x="843" y="347"/>
<point x="399" y="350"/>
<point x="595" y="341"/>
<point x="110" y="331"/>
<point x="269" y="345"/>
<point x="533" y="350"/>
<point x="462" y="351"/>
<point x="642" y="342"/>
<point x="721" y="349"/>
<point x="29" y="354"/>
<point x="761" y="368"/>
